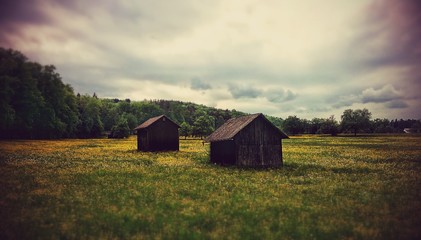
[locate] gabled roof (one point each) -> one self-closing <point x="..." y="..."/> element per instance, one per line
<point x="234" y="125"/>
<point x="153" y="120"/>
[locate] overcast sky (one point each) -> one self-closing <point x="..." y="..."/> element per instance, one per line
<point x="309" y="58"/>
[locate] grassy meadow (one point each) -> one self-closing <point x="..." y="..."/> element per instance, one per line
<point x="329" y="188"/>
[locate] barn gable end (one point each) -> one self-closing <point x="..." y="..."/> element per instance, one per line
<point x="247" y="141"/>
<point x="158" y="134"/>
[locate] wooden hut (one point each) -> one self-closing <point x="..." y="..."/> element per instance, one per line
<point x="247" y="141"/>
<point x="157" y="134"/>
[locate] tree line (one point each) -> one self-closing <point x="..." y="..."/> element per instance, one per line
<point x="352" y="122"/>
<point x="36" y="104"/>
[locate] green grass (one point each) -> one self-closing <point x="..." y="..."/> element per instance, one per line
<point x="329" y="188"/>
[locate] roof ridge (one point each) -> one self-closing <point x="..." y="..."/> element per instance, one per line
<point x="231" y="127"/>
<point x="152" y="120"/>
<point x="249" y="118"/>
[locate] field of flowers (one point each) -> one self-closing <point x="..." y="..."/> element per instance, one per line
<point x="330" y="187"/>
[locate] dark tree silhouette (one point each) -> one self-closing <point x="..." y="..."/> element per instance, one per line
<point x="355" y="120"/>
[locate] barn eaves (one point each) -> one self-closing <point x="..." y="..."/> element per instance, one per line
<point x="151" y="121"/>
<point x="234" y="125"/>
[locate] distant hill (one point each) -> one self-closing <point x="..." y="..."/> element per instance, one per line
<point x="188" y="113"/>
<point x="36" y="104"/>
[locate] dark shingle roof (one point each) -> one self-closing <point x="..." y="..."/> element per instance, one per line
<point x="234" y="125"/>
<point x="151" y="121"/>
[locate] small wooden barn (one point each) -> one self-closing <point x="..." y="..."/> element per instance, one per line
<point x="157" y="134"/>
<point x="247" y="141"/>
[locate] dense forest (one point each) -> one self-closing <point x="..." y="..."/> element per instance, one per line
<point x="36" y="104"/>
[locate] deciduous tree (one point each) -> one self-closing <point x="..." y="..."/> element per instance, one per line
<point x="355" y="120"/>
<point x="185" y="129"/>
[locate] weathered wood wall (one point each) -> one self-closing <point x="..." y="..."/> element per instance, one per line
<point x="160" y="136"/>
<point x="258" y="145"/>
<point x="142" y="140"/>
<point x="223" y="152"/>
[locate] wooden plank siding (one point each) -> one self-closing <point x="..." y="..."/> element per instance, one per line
<point x="258" y="145"/>
<point x="163" y="137"/>
<point x="161" y="134"/>
<point x="251" y="141"/>
<point x="223" y="152"/>
<point x="142" y="140"/>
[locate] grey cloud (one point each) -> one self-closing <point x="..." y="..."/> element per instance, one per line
<point x="390" y="37"/>
<point x="274" y="96"/>
<point x="21" y="11"/>
<point x="151" y="20"/>
<point x="388" y="95"/>
<point x="290" y="95"/>
<point x="160" y="19"/>
<point x="198" y="84"/>
<point x="393" y="23"/>
<point x="279" y="96"/>
<point x="344" y="101"/>
<point x="319" y="109"/>
<point x="397" y="104"/>
<point x="244" y="91"/>
<point x="396" y="24"/>
<point x="385" y="94"/>
<point x="13" y="14"/>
